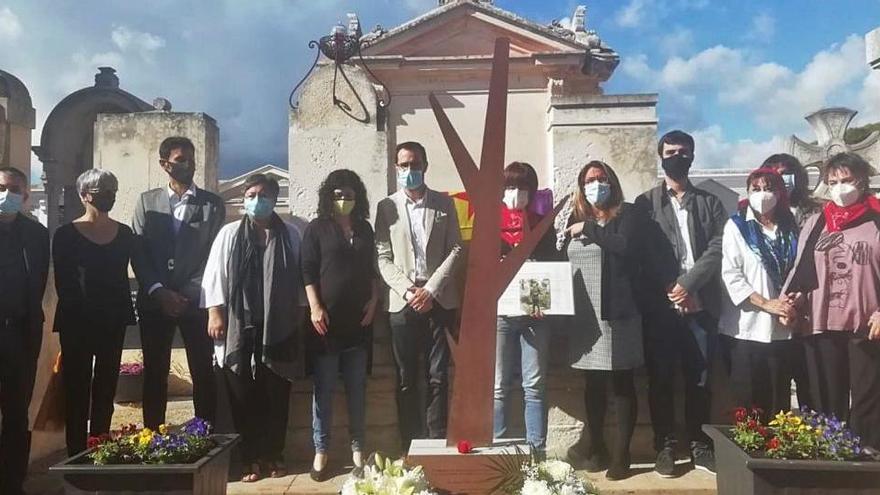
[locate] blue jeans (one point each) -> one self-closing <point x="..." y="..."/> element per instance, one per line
<point x="521" y="349"/>
<point x="352" y="363"/>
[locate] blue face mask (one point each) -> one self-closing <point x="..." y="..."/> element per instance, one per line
<point x="410" y="179"/>
<point x="10" y="202"/>
<point x="258" y="207"/>
<point x="597" y="193"/>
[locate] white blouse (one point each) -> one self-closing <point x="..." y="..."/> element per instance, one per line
<point x="744" y="274"/>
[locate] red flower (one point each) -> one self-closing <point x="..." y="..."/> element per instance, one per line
<point x="773" y="444"/>
<point x="740" y="414"/>
<point x="465" y="447"/>
<point x="752" y="424"/>
<point x="94" y="441"/>
<point x="762" y="431"/>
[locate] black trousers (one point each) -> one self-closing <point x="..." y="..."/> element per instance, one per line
<point x="760" y="374"/>
<point x="259" y="403"/>
<point x="674" y="340"/>
<point x="157" y="332"/>
<point x="827" y="356"/>
<point x="864" y="367"/>
<point x="18" y="362"/>
<point x="623" y="390"/>
<point x="416" y="337"/>
<point x="88" y="388"/>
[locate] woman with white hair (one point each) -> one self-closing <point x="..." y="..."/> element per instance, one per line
<point x="91" y="257"/>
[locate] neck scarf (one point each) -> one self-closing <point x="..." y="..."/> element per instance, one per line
<point x="838" y="218"/>
<point x="777" y="255"/>
<point x="512" y="225"/>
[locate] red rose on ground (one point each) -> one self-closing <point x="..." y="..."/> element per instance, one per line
<point x="465" y="447"/>
<point x="740" y="414"/>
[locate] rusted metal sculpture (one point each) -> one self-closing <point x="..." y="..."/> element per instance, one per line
<point x="470" y="416"/>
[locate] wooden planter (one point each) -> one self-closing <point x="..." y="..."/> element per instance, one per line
<point x="207" y="476"/>
<point x="129" y="388"/>
<point x="741" y="474"/>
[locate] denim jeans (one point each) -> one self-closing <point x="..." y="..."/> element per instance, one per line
<point x="352" y="363"/>
<point x="521" y="350"/>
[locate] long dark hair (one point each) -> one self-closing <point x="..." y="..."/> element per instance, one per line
<point x="785" y="163"/>
<point x="339" y="179"/>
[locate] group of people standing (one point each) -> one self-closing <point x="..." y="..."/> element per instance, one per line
<point x="791" y="285"/>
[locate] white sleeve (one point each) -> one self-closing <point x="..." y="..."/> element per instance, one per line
<point x="214" y="278"/>
<point x="732" y="272"/>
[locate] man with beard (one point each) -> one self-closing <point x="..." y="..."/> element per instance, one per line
<point x="682" y="326"/>
<point x="175" y="226"/>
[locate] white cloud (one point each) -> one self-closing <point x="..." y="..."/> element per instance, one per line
<point x="633" y="14"/>
<point x="82" y="68"/>
<point x="678" y="42"/>
<point x="143" y="43"/>
<point x="10" y="25"/>
<point x="762" y="28"/>
<point x="713" y="150"/>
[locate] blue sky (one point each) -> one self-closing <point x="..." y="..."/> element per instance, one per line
<point x="739" y="75"/>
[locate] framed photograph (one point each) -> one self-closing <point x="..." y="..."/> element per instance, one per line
<point x="539" y="286"/>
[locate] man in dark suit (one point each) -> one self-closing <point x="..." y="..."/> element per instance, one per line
<point x="24" y="266"/>
<point x="175" y="227"/>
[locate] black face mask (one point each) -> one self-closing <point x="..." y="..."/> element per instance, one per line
<point x="103" y="201"/>
<point x="182" y="172"/>
<point x="677" y="166"/>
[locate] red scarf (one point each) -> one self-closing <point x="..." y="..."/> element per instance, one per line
<point x="512" y="225"/>
<point x="838" y="218"/>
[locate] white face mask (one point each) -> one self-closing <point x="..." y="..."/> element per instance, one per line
<point x="597" y="193"/>
<point x="762" y="202"/>
<point x="516" y="199"/>
<point x="844" y="195"/>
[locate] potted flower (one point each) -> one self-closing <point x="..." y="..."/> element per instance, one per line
<point x="382" y="476"/>
<point x="797" y="452"/>
<point x="129" y="387"/>
<point x="180" y="460"/>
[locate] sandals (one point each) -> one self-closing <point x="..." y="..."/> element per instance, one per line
<point x="251" y="475"/>
<point x="277" y="469"/>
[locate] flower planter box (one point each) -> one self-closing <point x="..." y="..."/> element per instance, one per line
<point x="129" y="388"/>
<point x="207" y="476"/>
<point x="741" y="474"/>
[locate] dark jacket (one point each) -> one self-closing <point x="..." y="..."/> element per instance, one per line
<point x="630" y="267"/>
<point x="35" y="246"/>
<point x="156" y="243"/>
<point x="706" y="219"/>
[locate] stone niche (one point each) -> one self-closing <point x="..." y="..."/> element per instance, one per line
<point x="127" y="144"/>
<point x="325" y="136"/>
<point x="17" y="121"/>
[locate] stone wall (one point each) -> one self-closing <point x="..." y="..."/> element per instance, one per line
<point x="127" y="144"/>
<point x="872" y="48"/>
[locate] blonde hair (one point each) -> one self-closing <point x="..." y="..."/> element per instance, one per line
<point x="583" y="210"/>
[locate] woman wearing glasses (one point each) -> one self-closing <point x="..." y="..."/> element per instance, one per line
<point x="341" y="280"/>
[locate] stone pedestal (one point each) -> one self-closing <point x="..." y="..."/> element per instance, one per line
<point x="127" y="144"/>
<point x="618" y="130"/>
<point x="458" y="474"/>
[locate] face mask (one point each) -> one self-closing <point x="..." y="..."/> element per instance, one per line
<point x="103" y="201"/>
<point x="10" y="202"/>
<point x="597" y="193"/>
<point x="762" y="201"/>
<point x="182" y="172"/>
<point x="677" y="166"/>
<point x="516" y="199"/>
<point x="410" y="179"/>
<point x="258" y="207"/>
<point x="343" y="206"/>
<point x="789" y="181"/>
<point x="844" y="195"/>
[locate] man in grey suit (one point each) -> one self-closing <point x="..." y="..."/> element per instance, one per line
<point x="175" y="226"/>
<point x="418" y="249"/>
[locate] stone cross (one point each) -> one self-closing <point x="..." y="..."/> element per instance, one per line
<point x="830" y="125"/>
<point x="872" y="48"/>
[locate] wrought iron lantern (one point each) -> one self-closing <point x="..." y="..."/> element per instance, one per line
<point x="340" y="46"/>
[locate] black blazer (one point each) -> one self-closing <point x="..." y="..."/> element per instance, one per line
<point x="632" y="266"/>
<point x="35" y="246"/>
<point x="155" y="243"/>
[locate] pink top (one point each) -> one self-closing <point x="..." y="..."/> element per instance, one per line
<point x="848" y="271"/>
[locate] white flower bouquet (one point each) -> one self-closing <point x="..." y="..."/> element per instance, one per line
<point x="388" y="477"/>
<point x="553" y="477"/>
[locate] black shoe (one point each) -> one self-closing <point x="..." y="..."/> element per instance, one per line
<point x="665" y="463"/>
<point x="319" y="476"/>
<point x="618" y="472"/>
<point x="596" y="461"/>
<point x="703" y="457"/>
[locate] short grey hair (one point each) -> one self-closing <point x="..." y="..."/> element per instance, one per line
<point x="95" y="180"/>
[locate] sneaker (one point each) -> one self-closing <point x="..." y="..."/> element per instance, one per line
<point x="665" y="463"/>
<point x="703" y="457"/>
<point x="617" y="472"/>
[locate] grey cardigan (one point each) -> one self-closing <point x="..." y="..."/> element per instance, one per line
<point x="706" y="219"/>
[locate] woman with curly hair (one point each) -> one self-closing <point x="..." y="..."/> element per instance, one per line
<point x="341" y="280"/>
